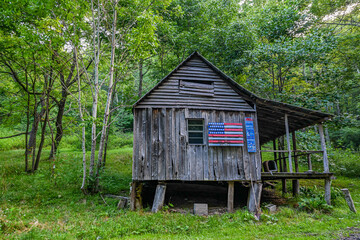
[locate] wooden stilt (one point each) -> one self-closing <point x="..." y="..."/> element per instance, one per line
<point x="230" y="204"/>
<point x="159" y="197"/>
<point x="328" y="191"/>
<point x="254" y="197"/>
<point x="283" y="186"/>
<point x="295" y="183"/>
<point x="348" y="199"/>
<point x="133" y="196"/>
<point x="138" y="196"/>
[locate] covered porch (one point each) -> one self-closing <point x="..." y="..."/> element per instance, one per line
<point x="277" y="120"/>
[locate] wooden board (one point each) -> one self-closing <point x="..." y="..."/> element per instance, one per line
<point x="162" y="151"/>
<point x="187" y="87"/>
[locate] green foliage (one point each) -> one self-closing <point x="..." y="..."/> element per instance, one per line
<point x="344" y="162"/>
<point x="314" y="204"/>
<point x="312" y="198"/>
<point x="10" y="143"/>
<point x="47" y="205"/>
<point x="275" y="20"/>
<point x="124" y="120"/>
<point x="348" y="137"/>
<point x="119" y="140"/>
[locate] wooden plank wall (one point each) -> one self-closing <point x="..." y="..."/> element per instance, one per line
<point x="195" y="71"/>
<point x="162" y="152"/>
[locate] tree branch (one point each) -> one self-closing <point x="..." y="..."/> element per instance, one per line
<point x="19" y="134"/>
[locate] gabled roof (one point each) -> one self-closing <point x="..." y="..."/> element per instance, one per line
<point x="270" y="114"/>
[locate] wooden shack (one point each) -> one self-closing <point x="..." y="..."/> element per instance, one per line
<point x="198" y="125"/>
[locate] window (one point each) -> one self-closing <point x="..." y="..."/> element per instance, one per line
<point x="195" y="131"/>
<point x="199" y="88"/>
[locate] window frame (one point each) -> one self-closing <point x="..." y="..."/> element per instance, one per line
<point x="188" y="131"/>
<point x="202" y="88"/>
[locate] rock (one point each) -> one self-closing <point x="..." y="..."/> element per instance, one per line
<point x="201" y="209"/>
<point x="271" y="208"/>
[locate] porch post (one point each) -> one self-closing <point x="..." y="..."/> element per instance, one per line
<point x="295" y="183"/>
<point x="326" y="165"/>
<point x="288" y="141"/>
<point x="323" y="148"/>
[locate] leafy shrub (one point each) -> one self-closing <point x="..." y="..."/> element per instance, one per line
<point x="347" y="137"/>
<point x="10" y="143"/>
<point x="314" y="204"/>
<point x="119" y="140"/>
<point x="344" y="162"/>
<point x="315" y="192"/>
<point x="312" y="199"/>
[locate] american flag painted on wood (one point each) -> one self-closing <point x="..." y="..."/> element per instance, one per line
<point x="225" y="134"/>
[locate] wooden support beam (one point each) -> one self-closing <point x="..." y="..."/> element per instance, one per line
<point x="328" y="191"/>
<point x="309" y="161"/>
<point x="294" y="151"/>
<point x="348" y="199"/>
<point x="288" y="142"/>
<point x="159" y="197"/>
<point x="282" y="162"/>
<point x="300" y="175"/>
<point x="275" y="157"/>
<point x="323" y="148"/>
<point x="133" y="196"/>
<point x="295" y="183"/>
<point x="254" y="197"/>
<point x="230" y="203"/>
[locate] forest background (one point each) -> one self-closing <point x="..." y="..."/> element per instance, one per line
<point x="71" y="70"/>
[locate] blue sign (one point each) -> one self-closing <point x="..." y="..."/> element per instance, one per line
<point x="250" y="134"/>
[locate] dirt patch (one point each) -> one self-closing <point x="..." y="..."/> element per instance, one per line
<point x="212" y="210"/>
<point x="271" y="196"/>
<point x="354" y="234"/>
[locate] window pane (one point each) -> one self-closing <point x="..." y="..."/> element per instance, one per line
<point x="195" y="122"/>
<point x="196" y="131"/>
<point x="195" y="141"/>
<point x="197" y="128"/>
<point x="195" y="134"/>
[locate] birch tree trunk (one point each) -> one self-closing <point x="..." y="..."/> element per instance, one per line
<point x="108" y="100"/>
<point x="96" y="46"/>
<point x="83" y="140"/>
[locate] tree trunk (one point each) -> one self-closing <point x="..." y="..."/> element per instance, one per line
<point x="35" y="125"/>
<point x="27" y="126"/>
<point x="59" y="126"/>
<point x="96" y="46"/>
<point x="107" y="133"/>
<point x="140" y="78"/>
<point x="32" y="139"/>
<point x="108" y="101"/>
<point x="43" y="129"/>
<point x="83" y="139"/>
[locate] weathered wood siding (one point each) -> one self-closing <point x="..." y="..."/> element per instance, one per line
<point x="195" y="85"/>
<point x="162" y="152"/>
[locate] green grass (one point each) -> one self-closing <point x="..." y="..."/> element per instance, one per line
<point x="51" y="206"/>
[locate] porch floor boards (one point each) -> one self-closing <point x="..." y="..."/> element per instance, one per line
<point x="296" y="175"/>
